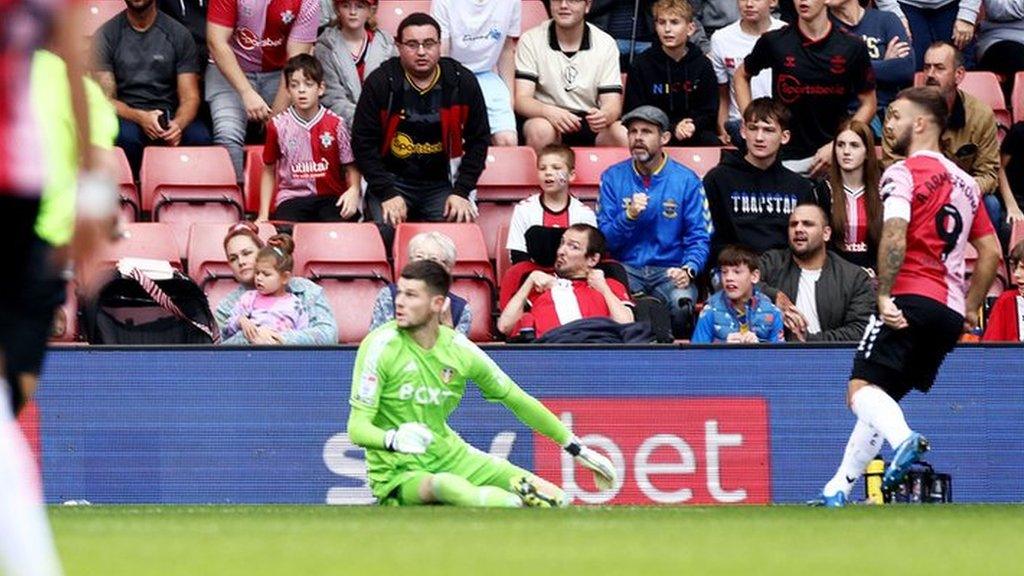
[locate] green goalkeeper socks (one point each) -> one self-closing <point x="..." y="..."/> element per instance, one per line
<point x="457" y="491"/>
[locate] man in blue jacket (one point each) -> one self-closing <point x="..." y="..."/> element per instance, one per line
<point x="653" y="212"/>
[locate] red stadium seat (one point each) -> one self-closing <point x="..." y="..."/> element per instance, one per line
<point x="97" y="12"/>
<point x="252" y="176"/>
<point x="1017" y="235"/>
<point x="390" y="13"/>
<point x="985" y="87"/>
<point x="700" y="160"/>
<point x="503" y="260"/>
<point x="131" y="207"/>
<point x="1017" y="97"/>
<point x="533" y="14"/>
<point x="590" y="164"/>
<point x="154" y="240"/>
<point x="182" y="186"/>
<point x="207" y="264"/>
<point x="473" y="275"/>
<point x="349" y="261"/>
<point x="494" y="215"/>
<point x="1001" y="281"/>
<point x="510" y="174"/>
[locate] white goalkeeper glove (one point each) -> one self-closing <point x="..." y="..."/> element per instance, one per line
<point x="604" y="471"/>
<point x="409" y="438"/>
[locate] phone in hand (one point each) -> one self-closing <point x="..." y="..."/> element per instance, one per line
<point x="164" y="120"/>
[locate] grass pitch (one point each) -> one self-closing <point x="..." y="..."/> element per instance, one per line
<point x="790" y="540"/>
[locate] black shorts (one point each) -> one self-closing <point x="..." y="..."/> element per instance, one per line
<point x="901" y="360"/>
<point x="309" y="209"/>
<point x="584" y="137"/>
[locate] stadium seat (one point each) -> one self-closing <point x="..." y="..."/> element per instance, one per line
<point x="473" y="276"/>
<point x="97" y="12"/>
<point x="349" y="261"/>
<point x="509" y="175"/>
<point x="503" y="260"/>
<point x="494" y="215"/>
<point x="1001" y="281"/>
<point x="590" y="164"/>
<point x="207" y="264"/>
<point x="985" y="87"/>
<point x="251" y="179"/>
<point x="131" y="207"/>
<point x="1017" y="97"/>
<point x="700" y="160"/>
<point x="182" y="186"/>
<point x="533" y="14"/>
<point x="390" y="13"/>
<point x="1017" y="235"/>
<point x="154" y="240"/>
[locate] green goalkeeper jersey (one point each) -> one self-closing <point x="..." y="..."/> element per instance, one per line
<point x="395" y="381"/>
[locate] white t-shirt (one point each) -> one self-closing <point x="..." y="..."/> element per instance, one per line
<point x="805" y="299"/>
<point x="477" y="29"/>
<point x="729" y="46"/>
<point x="531" y="212"/>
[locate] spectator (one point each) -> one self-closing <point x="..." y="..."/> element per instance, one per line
<point x="538" y="222"/>
<point x="970" y="136"/>
<point x="481" y="35"/>
<point x="751" y="196"/>
<point x="1011" y="177"/>
<point x="716" y="14"/>
<point x="888" y="47"/>
<point x="738" y="313"/>
<point x="850" y="195"/>
<point x="192" y="15"/>
<point x="930" y="21"/>
<point x="576" y="290"/>
<point x="677" y="78"/>
<point x="822" y="296"/>
<point x="817" y="70"/>
<point x="729" y="46"/>
<point x="147" y="64"/>
<point x="1001" y="41"/>
<point x="241" y="245"/>
<point x="568" y="85"/>
<point x="269" y="306"/>
<point x="1006" y="320"/>
<point x="349" y="51"/>
<point x="617" y="18"/>
<point x="420" y="133"/>
<point x="308" y="149"/>
<point x="666" y="246"/>
<point x="249" y="44"/>
<point x="435" y="247"/>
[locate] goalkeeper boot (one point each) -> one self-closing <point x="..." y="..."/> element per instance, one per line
<point x="908" y="452"/>
<point x="837" y="500"/>
<point x="534" y="494"/>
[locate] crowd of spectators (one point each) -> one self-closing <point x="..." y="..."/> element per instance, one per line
<point x="392" y="126"/>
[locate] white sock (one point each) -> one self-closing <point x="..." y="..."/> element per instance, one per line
<point x="863" y="446"/>
<point x="876" y="408"/>
<point x="26" y="545"/>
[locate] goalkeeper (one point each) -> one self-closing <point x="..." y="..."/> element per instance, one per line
<point x="409" y="375"/>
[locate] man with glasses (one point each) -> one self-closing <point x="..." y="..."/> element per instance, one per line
<point x="420" y="133"/>
<point x="568" y="84"/>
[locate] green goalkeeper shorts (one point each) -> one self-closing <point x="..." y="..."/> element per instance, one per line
<point x="479" y="468"/>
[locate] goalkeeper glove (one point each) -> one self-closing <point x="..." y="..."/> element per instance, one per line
<point x="604" y="472"/>
<point x="409" y="438"/>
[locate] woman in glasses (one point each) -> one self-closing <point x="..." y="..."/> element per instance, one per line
<point x="241" y="246"/>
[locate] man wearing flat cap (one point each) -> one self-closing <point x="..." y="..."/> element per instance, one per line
<point x="654" y="215"/>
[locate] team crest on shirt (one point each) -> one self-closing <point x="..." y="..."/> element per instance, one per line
<point x="326" y="139"/>
<point x="789" y="61"/>
<point x="287" y="16"/>
<point x="669" y="208"/>
<point x="291" y="144"/>
<point x="837" y="64"/>
<point x="446" y="375"/>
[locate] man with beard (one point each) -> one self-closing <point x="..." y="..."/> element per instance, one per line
<point x="576" y="290"/>
<point x="654" y="213"/>
<point x="147" y="65"/>
<point x="823" y="298"/>
<point x="932" y="210"/>
<point x="970" y="136"/>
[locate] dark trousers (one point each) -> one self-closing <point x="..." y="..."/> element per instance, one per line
<point x="930" y="25"/>
<point x="309" y="209"/>
<point x="425" y="203"/>
<point x="134" y="140"/>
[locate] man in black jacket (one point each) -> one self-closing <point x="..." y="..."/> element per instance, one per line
<point x="751" y="196"/>
<point x="822" y="296"/>
<point x="420" y="132"/>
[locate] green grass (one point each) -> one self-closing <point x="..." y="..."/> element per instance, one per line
<point x="259" y="540"/>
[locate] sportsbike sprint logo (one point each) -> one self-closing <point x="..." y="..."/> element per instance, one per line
<point x="791" y="89"/>
<point x="248" y="40"/>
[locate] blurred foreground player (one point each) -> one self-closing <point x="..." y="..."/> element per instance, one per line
<point x="409" y="375"/>
<point x="26" y="546"/>
<point x="932" y="210"/>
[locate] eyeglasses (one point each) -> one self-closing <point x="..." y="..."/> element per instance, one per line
<point x="572" y="2"/>
<point x="414" y="46"/>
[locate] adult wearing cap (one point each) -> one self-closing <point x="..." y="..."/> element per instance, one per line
<point x="654" y="215"/>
